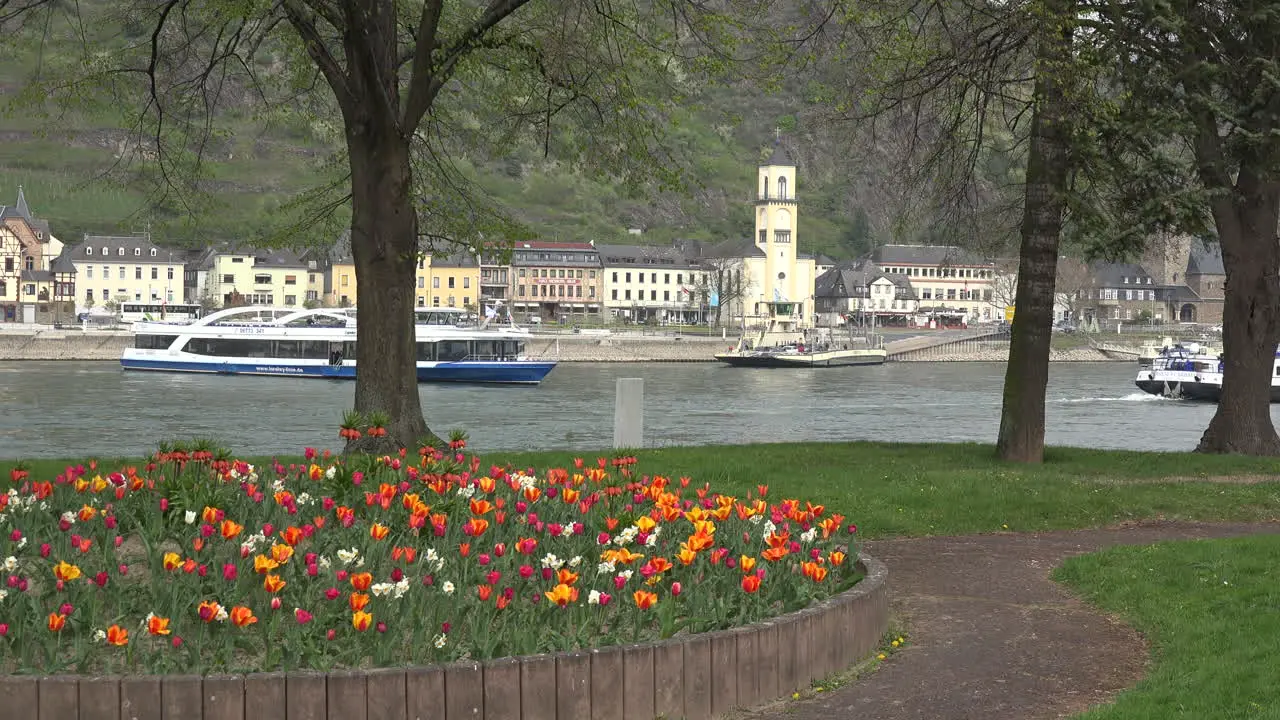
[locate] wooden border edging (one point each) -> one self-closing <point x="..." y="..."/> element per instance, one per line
<point x="697" y="677"/>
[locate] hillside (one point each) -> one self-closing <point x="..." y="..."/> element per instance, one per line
<point x="850" y="195"/>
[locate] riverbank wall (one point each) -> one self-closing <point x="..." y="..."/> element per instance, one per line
<point x="78" y="345"/>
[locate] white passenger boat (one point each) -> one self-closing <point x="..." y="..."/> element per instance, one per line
<point x="782" y="343"/>
<point x="1191" y="371"/>
<point x="322" y="343"/>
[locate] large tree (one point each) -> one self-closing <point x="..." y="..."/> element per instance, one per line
<point x="1196" y="137"/>
<point x="417" y="84"/>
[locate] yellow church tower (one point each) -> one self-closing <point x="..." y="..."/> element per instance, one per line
<point x="776" y="226"/>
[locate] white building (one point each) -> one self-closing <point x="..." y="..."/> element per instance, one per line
<point x="126" y="268"/>
<point x="652" y="284"/>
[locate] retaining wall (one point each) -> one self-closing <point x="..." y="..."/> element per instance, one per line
<point x="695" y="677"/>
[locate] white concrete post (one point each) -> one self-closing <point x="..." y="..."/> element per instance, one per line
<point x="628" y="414"/>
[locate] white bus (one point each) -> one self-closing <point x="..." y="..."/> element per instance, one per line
<point x="131" y="312"/>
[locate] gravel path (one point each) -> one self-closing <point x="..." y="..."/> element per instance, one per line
<point x="991" y="636"/>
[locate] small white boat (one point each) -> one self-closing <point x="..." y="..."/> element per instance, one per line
<point x="782" y="344"/>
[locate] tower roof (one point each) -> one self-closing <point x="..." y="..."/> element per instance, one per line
<point x="780" y="157"/>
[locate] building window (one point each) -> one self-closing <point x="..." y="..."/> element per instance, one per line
<point x="521" y="272"/>
<point x="782" y="188"/>
<point x="451" y="303"/>
<point x="466" y="300"/>
<point x="422" y="301"/>
<point x="262" y="279"/>
<point x="615" y="278"/>
<point x="422" y="282"/>
<point x="628" y="297"/>
<point x="290" y="300"/>
<point x="435" y="301"/>
<point x="120" y="274"/>
<point x="615" y="294"/>
<point x="666" y="278"/>
<point x="653" y="294"/>
<point x="591" y="291"/>
<point x="466" y="283"/>
<point x="88" y="251"/>
<point x="520" y="290"/>
<point x="155" y="273"/>
<point x="435" y="283"/>
<point x="666" y="295"/>
<point x="593" y="274"/>
<point x="88" y="272"/>
<point x="579" y="293"/>
<point x="290" y="279"/>
<point x="653" y="278"/>
<point x="640" y="279"/>
<point x="628" y="278"/>
<point x="451" y="280"/>
<point x="88" y="294"/>
<point x="170" y="272"/>
<point x="230" y="279"/>
<point x="679" y="279"/>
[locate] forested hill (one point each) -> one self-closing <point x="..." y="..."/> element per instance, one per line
<point x="850" y="194"/>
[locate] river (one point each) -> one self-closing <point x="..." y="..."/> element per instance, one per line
<point x="62" y="409"/>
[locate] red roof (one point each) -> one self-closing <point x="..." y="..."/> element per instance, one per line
<point x="543" y="245"/>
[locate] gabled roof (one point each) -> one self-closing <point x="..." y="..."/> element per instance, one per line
<point x="643" y="256"/>
<point x="63" y="263"/>
<point x="1107" y="274"/>
<point x="461" y="259"/>
<point x="98" y="247"/>
<point x="22" y="211"/>
<point x="780" y="157"/>
<point x="936" y="255"/>
<point x="1205" y="259"/>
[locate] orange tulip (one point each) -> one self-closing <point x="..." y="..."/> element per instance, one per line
<point x="361" y="581"/>
<point x="230" y="529"/>
<point x="361" y="620"/>
<point x="209" y="515"/>
<point x="747" y="563"/>
<point x="837" y="557"/>
<point x="158" y="625"/>
<point x="117" y="636"/>
<point x="750" y="583"/>
<point x="87" y="513"/>
<point x="242" y="616"/>
<point x="263" y="564"/>
<point x="57" y="621"/>
<point x="358" y="601"/>
<point x="660" y="564"/>
<point x="65" y="571"/>
<point x="562" y="594"/>
<point x="644" y="599"/>
<point x="774" y="554"/>
<point x="281" y="553"/>
<point x="273" y="583"/>
<point x="378" y="531"/>
<point x="484" y="591"/>
<point x="686" y="555"/>
<point x="565" y="576"/>
<point x="480" y="507"/>
<point x="292" y="535"/>
<point x="475" y="527"/>
<point x="814" y="571"/>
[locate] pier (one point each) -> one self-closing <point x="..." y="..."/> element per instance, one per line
<point x="947" y="342"/>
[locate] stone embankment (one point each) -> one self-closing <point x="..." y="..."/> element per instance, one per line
<point x="80" y="345"/>
<point x="999" y="352"/>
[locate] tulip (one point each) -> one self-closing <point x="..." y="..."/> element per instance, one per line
<point x="242" y="616"/>
<point x="675" y="589"/>
<point x="158" y="625"/>
<point x="302" y="616"/>
<point x="360" y="620"/>
<point x="56" y="622"/>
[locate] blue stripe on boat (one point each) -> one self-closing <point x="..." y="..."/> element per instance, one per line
<point x="528" y="372"/>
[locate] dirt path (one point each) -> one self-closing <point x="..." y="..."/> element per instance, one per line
<point x="991" y="636"/>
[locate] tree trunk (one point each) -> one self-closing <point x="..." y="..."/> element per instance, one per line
<point x="384" y="246"/>
<point x="1021" y="436"/>
<point x="1247" y="220"/>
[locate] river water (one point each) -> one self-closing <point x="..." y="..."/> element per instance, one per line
<point x="61" y="409"/>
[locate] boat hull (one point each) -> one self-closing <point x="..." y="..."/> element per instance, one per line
<point x="1204" y="389"/>
<point x="830" y="359"/>
<point x="515" y="372"/>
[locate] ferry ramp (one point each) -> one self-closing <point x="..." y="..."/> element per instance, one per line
<point x="941" y="341"/>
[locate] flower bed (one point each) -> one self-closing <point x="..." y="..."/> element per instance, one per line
<point x="193" y="562"/>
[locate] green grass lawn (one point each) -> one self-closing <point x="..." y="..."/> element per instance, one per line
<point x="1209" y="608"/>
<point x="916" y="489"/>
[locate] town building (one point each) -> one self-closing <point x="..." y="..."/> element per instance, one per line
<point x="1129" y="292"/>
<point x="858" y="293"/>
<point x="556" y="281"/>
<point x="126" y="268"/>
<point x="951" y="284"/>
<point x="495" y="284"/>
<point x="449" y="281"/>
<point x="645" y="284"/>
<point x="37" y="282"/>
<point x="767" y="275"/>
<point x="239" y="275"/>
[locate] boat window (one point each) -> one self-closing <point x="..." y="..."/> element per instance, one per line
<point x="153" y="342"/>
<point x="426" y="352"/>
<point x="512" y="349"/>
<point x="288" y="349"/>
<point x="452" y="350"/>
<point x="231" y="347"/>
<point x="349" y="350"/>
<point x="315" y="349"/>
<point x="486" y="349"/>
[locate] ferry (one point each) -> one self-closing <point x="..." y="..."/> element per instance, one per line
<point x="1192" y="371"/>
<point x="782" y="344"/>
<point x="321" y="343"/>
